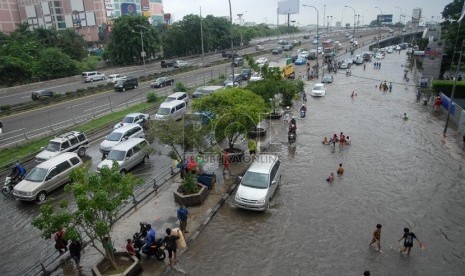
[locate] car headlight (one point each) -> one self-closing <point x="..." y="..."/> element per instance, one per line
<point x="261" y="201"/>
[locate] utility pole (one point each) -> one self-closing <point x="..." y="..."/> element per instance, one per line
<point x="201" y="35"/>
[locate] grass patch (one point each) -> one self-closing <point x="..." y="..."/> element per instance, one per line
<point x="24" y="152"/>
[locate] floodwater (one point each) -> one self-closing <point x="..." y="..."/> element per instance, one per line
<point x="397" y="173"/>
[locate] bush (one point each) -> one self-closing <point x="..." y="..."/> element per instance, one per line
<point x="5" y="108"/>
<point x="152" y="97"/>
<point x="445" y="86"/>
<point x="189" y="184"/>
<point x="180" y="87"/>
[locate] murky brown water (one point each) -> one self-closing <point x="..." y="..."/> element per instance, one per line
<point x="397" y="173"/>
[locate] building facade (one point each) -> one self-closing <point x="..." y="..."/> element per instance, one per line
<point x="92" y="18"/>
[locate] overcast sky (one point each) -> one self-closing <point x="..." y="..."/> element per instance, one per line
<point x="260" y="11"/>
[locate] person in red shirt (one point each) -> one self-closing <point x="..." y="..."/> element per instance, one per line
<point x="226" y="164"/>
<point x="437" y="103"/>
<point x="131" y="250"/>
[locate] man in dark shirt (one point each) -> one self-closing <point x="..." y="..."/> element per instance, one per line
<point x="408" y="241"/>
<point x="170" y="244"/>
<point x="75" y="253"/>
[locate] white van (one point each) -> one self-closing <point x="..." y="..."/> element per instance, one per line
<point x="259" y="183"/>
<point x="174" y="110"/>
<point x="46" y="177"/>
<point x="206" y="90"/>
<point x="181" y="96"/>
<point x="119" y="135"/>
<point x="127" y="154"/>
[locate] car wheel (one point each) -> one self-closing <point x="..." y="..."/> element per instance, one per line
<point x="42" y="196"/>
<point x="146" y="159"/>
<point x="91" y="80"/>
<point x="81" y="152"/>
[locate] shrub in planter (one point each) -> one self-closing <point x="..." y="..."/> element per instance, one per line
<point x="152" y="97"/>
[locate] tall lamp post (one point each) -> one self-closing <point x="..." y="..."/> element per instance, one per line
<point x="317" y="35"/>
<point x="379" y="27"/>
<point x="232" y="41"/>
<point x="353" y="34"/>
<point x="142" y="53"/>
<point x="400" y="15"/>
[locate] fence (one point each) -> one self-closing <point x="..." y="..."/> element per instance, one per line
<point x="53" y="261"/>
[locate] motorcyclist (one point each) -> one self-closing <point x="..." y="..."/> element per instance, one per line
<point x="150" y="238"/>
<point x="293" y="122"/>
<point x="303" y="110"/>
<point x="17" y="172"/>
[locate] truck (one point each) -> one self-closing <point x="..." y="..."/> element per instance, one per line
<point x="328" y="49"/>
<point x="285" y="67"/>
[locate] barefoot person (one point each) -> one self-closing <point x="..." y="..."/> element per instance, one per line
<point x="330" y="178"/>
<point x="377" y="237"/>
<point x="325" y="141"/>
<point x="408" y="241"/>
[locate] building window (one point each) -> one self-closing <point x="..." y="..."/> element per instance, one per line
<point x="59" y="18"/>
<point x="56" y="3"/>
<point x="58" y="10"/>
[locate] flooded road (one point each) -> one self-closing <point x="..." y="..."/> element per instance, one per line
<point x="397" y="173"/>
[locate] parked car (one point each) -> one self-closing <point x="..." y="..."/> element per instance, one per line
<point x="113" y="78"/>
<point x="246" y="73"/>
<point x="73" y="141"/>
<point x="206" y="90"/>
<point x="239" y="61"/>
<point x="306" y="36"/>
<point x="288" y="47"/>
<point x="261" y="61"/>
<point x="166" y="64"/>
<point x="345" y="64"/>
<point x="277" y="51"/>
<point x="42" y="94"/>
<point x="282" y="42"/>
<point x="134" y="118"/>
<point x="180" y="64"/>
<point x="125" y="84"/>
<point x="318" y="90"/>
<point x="327" y="79"/>
<point x="162" y="82"/>
<point x="359" y="59"/>
<point x="300" y="61"/>
<point x="259" y="47"/>
<point x="127" y="154"/>
<point x="237" y="78"/>
<point x="177" y="96"/>
<point x="379" y="56"/>
<point x="171" y="110"/>
<point x="226" y="53"/>
<point x="92" y="76"/>
<point x="296" y="42"/>
<point x="259" y="183"/>
<point x="46" y="177"/>
<point x="119" y="135"/>
<point x="256" y="77"/>
<point x="304" y="54"/>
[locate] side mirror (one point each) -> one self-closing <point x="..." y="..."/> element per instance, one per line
<point x="239" y="178"/>
<point x="273" y="182"/>
<point x="42" y="148"/>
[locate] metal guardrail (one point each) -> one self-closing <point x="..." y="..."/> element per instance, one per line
<point x="53" y="261"/>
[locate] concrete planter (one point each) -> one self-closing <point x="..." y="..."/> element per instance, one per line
<point x="191" y="199"/>
<point x="235" y="155"/>
<point x="133" y="270"/>
<point x="275" y="116"/>
<point x="257" y="132"/>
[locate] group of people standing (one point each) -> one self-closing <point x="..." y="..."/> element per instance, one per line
<point x="75" y="247"/>
<point x="377" y="65"/>
<point x="383" y="86"/>
<point x="342" y="140"/>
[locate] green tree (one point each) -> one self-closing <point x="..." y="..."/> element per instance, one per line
<point x="53" y="63"/>
<point x="98" y="197"/>
<point x="13" y="70"/>
<point x="71" y="43"/>
<point x="236" y="112"/>
<point x="125" y="44"/>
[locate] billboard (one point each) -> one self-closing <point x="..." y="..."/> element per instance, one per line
<point x="128" y="8"/>
<point x="145" y="5"/>
<point x="288" y="7"/>
<point x="416" y="15"/>
<point x="385" y="18"/>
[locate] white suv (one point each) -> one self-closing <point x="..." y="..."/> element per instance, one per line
<point x="72" y="141"/>
<point x="92" y="76"/>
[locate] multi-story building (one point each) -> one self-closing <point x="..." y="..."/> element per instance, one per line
<point x="89" y="17"/>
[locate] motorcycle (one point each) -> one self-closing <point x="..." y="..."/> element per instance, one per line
<point x="157" y="249"/>
<point x="10" y="184"/>
<point x="291" y="137"/>
<point x="302" y="113"/>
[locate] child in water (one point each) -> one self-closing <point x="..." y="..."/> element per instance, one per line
<point x="330" y="177"/>
<point x="325" y="141"/>
<point x="405" y="117"/>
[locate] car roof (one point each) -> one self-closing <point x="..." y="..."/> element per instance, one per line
<point x="171" y="104"/>
<point x="129" y="143"/>
<point x="263" y="163"/>
<point x="176" y="94"/>
<point x="319" y="84"/>
<point x="134" y="114"/>
<point x="57" y="159"/>
<point x="64" y="136"/>
<point x="125" y="128"/>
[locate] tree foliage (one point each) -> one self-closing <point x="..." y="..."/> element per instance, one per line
<point x="450" y="31"/>
<point x="236" y="112"/>
<point x="98" y="197"/>
<point x="53" y="63"/>
<point x="125" y="44"/>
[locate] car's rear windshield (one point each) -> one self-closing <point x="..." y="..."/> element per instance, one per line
<point x="53" y="146"/>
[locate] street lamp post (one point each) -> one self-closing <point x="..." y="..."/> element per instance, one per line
<point x="400" y="15"/>
<point x="317" y="35"/>
<point x="379" y="27"/>
<point x="142" y="53"/>
<point x="232" y="41"/>
<point x="353" y="34"/>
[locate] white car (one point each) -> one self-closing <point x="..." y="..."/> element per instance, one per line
<point x="133" y="118"/>
<point x="320" y="50"/>
<point x="180" y="64"/>
<point x="255" y="77"/>
<point x="379" y="56"/>
<point x="261" y="61"/>
<point x="114" y="78"/>
<point x="304" y="54"/>
<point x="390" y="50"/>
<point x="318" y="90"/>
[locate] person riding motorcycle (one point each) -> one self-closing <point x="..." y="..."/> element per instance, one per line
<point x="150" y="238"/>
<point x="17" y="172"/>
<point x="303" y="111"/>
<point x="293" y="122"/>
<point x="292" y="128"/>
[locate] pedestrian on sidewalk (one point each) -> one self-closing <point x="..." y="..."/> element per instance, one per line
<point x="60" y="242"/>
<point x="377" y="237"/>
<point x="408" y="238"/>
<point x="226" y="163"/>
<point x="183" y="214"/>
<point x="252" y="145"/>
<point x="340" y="170"/>
<point x="437" y="103"/>
<point x="170" y="244"/>
<point x="75" y="253"/>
